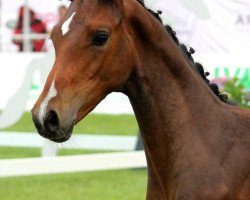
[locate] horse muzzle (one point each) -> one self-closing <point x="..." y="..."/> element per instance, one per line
<point x="52" y="128"/>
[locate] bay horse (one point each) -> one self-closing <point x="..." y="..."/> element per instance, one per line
<point x="197" y="147"/>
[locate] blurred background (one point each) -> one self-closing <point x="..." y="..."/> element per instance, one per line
<point x="110" y="163"/>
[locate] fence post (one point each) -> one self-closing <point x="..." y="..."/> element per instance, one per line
<point x="139" y="144"/>
<point x="49" y="149"/>
<point x="26" y="28"/>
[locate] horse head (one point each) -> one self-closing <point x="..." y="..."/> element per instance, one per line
<point x="94" y="56"/>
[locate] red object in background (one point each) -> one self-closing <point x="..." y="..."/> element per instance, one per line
<point x="36" y="26"/>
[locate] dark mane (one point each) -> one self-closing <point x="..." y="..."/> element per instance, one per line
<point x="188" y="54"/>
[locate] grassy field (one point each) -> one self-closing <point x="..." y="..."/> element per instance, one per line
<point x="105" y="185"/>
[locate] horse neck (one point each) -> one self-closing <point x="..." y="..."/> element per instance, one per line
<point x="169" y="98"/>
<point x="163" y="87"/>
<point x="166" y="93"/>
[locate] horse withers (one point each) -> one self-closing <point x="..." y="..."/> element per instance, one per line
<point x="197" y="147"/>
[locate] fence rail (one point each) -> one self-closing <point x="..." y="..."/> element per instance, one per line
<point x="80" y="141"/>
<point x="69" y="164"/>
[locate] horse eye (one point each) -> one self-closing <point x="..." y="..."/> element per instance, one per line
<point x="100" y="38"/>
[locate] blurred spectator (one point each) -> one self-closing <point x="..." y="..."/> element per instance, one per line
<point x="62" y="11"/>
<point x="36" y="26"/>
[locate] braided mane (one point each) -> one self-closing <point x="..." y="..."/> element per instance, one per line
<point x="188" y="54"/>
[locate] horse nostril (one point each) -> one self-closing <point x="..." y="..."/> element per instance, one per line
<point x="51" y="121"/>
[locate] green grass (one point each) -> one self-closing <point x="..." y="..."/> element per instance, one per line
<point x="14" y="152"/>
<point x="92" y="124"/>
<point x="106" y="185"/>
